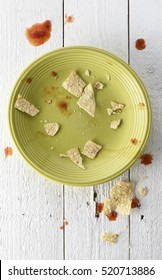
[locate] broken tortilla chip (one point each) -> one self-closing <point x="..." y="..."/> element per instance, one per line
<point x="122" y="195"/>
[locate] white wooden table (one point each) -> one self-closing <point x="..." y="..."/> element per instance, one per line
<point x="32" y="208"/>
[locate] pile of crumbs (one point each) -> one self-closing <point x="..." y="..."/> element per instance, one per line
<point x="122" y="199"/>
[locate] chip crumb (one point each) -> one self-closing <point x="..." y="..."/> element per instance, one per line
<point x="51" y="128"/>
<point x="116" y="108"/>
<point x="109" y="237"/>
<point x="110" y="111"/>
<point x="99" y="85"/>
<point x="87" y="72"/>
<point x="114" y="124"/>
<point x="108" y="77"/>
<point x="143" y="191"/>
<point x="63" y="155"/>
<point x="52" y="148"/>
<point x="144" y="177"/>
<point x="49" y="101"/>
<point x="116" y="105"/>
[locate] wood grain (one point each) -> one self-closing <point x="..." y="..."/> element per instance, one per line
<point x="103" y="25"/>
<point x="31" y="208"/>
<point x="146" y="234"/>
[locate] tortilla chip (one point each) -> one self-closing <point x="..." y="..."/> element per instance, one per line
<point x="91" y="149"/>
<point x="75" y="157"/>
<point x="74" y="84"/>
<point x="122" y="195"/>
<point x="25" y="106"/>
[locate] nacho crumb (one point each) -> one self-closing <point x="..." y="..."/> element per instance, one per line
<point x="143" y="191"/>
<point x="109" y="237"/>
<point x="99" y="85"/>
<point x="87" y="72"/>
<point x="114" y="124"/>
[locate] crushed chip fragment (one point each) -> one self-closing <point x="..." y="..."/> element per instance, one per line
<point x="116" y="106"/>
<point x="110" y="111"/>
<point x="114" y="124"/>
<point x="91" y="149"/>
<point x="109" y="237"/>
<point x="23" y="105"/>
<point x="143" y="191"/>
<point x="87" y="72"/>
<point x="74" y="84"/>
<point x="108" y="77"/>
<point x="99" y="85"/>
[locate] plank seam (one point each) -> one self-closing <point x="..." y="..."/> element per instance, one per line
<point x="63" y="23"/>
<point x="129" y="172"/>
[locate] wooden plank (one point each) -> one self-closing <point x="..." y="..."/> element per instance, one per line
<point x="101" y="24"/>
<point x="145" y="22"/>
<point x="31" y="208"/>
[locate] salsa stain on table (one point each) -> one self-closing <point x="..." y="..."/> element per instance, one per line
<point x="140" y="44"/>
<point x="39" y="33"/>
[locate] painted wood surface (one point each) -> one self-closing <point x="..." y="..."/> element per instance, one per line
<point x="32" y="209"/>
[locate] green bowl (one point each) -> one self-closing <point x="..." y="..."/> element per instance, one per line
<point x="121" y="147"/>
